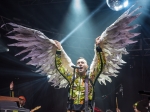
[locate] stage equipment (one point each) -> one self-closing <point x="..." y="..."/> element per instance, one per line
<point x="9" y="104"/>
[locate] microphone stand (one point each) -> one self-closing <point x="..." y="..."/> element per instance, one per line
<point x="86" y="91"/>
<point x="116" y="99"/>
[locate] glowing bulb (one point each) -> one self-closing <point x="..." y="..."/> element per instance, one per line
<point x="7" y="49"/>
<point x="48" y="76"/>
<point x="117" y="5"/>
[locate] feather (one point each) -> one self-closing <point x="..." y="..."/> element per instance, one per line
<point x="114" y="40"/>
<point x="41" y="52"/>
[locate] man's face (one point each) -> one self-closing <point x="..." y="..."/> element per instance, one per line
<point x="83" y="66"/>
<point x="21" y="102"/>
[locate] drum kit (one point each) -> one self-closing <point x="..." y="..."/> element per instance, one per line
<point x="141" y="106"/>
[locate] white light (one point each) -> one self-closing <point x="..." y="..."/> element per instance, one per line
<point x="48" y="76"/>
<point x="7" y="50"/>
<point x="118" y="8"/>
<point x="77" y="4"/>
<point x="126" y="3"/>
<point x="82" y="22"/>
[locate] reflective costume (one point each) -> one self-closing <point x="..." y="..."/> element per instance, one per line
<point x="42" y="54"/>
<point x="78" y="84"/>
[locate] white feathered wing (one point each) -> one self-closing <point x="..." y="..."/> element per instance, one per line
<point x="113" y="42"/>
<point x="42" y="52"/>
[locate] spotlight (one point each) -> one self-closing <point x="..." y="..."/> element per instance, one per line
<point x="117" y="5"/>
<point x="48" y="76"/>
<point x="7" y="49"/>
<point x="77" y="4"/>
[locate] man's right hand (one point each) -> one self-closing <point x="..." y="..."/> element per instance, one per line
<point x="98" y="40"/>
<point x="11" y="85"/>
<point x="58" y="44"/>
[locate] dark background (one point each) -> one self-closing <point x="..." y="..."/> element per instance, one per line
<point x="49" y="16"/>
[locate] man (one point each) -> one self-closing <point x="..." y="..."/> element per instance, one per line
<point x="42" y="52"/>
<point x="22" y="99"/>
<point x="81" y="84"/>
<point x="11" y="89"/>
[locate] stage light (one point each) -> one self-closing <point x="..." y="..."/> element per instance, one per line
<point x="84" y="17"/>
<point x="78" y="12"/>
<point x="7" y="49"/>
<point x="77" y="4"/>
<point x="117" y="5"/>
<point x="48" y="76"/>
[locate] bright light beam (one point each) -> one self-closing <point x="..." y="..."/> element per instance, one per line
<point x="77" y="4"/>
<point x="95" y="11"/>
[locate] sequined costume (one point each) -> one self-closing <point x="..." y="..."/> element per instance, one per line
<point x="78" y="84"/>
<point x="42" y="54"/>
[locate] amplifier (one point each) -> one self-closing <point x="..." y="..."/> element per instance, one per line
<point x="9" y="106"/>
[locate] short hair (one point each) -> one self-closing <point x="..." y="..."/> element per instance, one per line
<point x="82" y="58"/>
<point x="22" y="98"/>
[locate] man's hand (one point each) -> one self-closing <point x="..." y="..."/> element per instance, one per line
<point x="58" y="44"/>
<point x="98" y="40"/>
<point x="11" y="85"/>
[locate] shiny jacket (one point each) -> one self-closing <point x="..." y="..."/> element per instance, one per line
<point x="78" y="85"/>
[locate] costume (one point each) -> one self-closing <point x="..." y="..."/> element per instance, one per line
<point x="43" y="54"/>
<point x="78" y="84"/>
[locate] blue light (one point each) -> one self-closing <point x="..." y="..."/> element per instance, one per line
<point x="91" y="15"/>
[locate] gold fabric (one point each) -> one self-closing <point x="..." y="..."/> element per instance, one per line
<point x="79" y="83"/>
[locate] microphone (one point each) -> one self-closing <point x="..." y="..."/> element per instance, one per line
<point x="121" y="89"/>
<point x="75" y="67"/>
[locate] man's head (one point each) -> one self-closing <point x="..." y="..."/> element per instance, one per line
<point x="82" y="63"/>
<point x="22" y="100"/>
